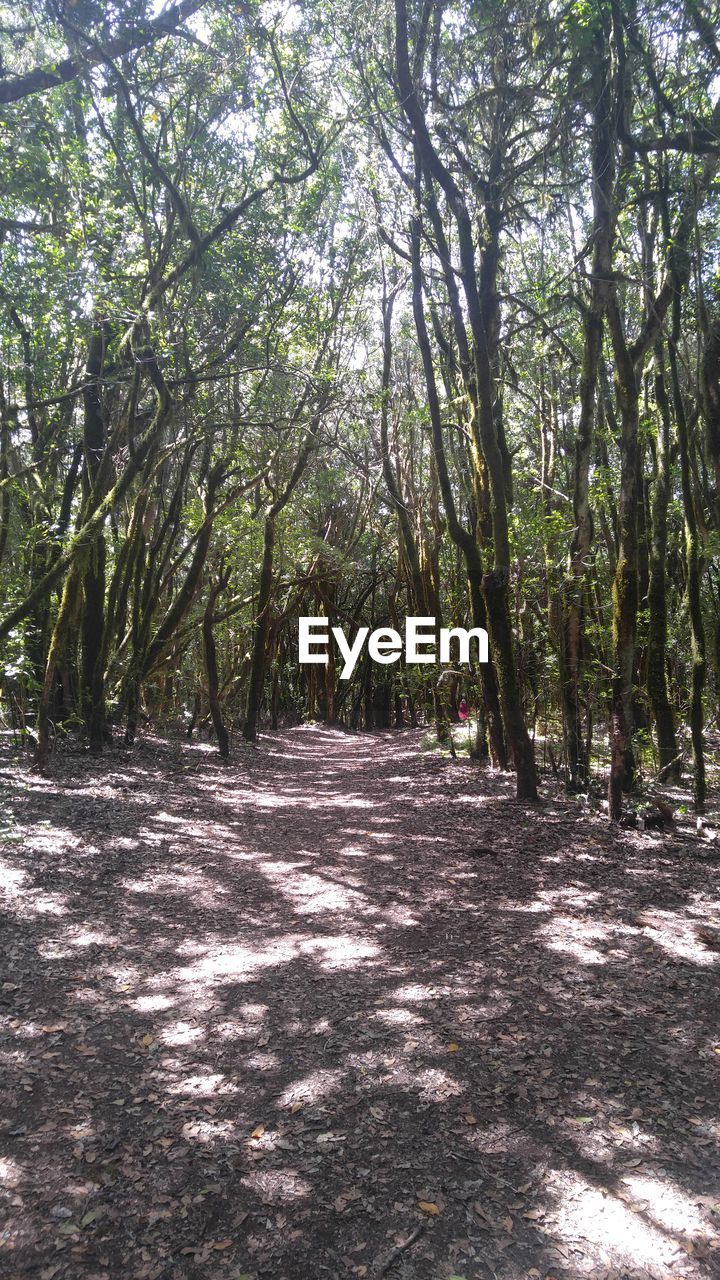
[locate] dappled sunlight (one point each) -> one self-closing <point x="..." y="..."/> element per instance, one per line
<point x="208" y="1131"/>
<point x="414" y="991"/>
<point x="281" y="1186"/>
<point x="233" y="962"/>
<point x="601" y="1139"/>
<point x="11" y="878"/>
<point x="74" y="940"/>
<point x="183" y="881"/>
<point x="240" y="964"/>
<point x="398" y="1017"/>
<point x="311" y="1088"/>
<point x="341" y="952"/>
<point x="181" y="1033"/>
<point x="677" y="936"/>
<point x="319" y="893"/>
<point x="213" y="1084"/>
<point x="576" y="938"/>
<point x="11" y="1174"/>
<point x="283" y="1012"/>
<point x="616" y="1233"/>
<point x="265" y="1062"/>
<point x="570" y="896"/>
<point x="16" y="889"/>
<point x="151" y="1004"/>
<point x="311" y="894"/>
<point x="666" y="1204"/>
<point x="341" y="801"/>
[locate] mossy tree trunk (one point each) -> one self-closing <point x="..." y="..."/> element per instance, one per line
<point x="657" y="594"/>
<point x="481" y="299"/>
<point x="93" y="578"/>
<point x="211" y="667"/>
<point x="572" y="652"/>
<point x="265" y="587"/>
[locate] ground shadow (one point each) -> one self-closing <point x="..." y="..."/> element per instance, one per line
<point x="270" y="1019"/>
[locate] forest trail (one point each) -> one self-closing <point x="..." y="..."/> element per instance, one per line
<point x="268" y="1020"/>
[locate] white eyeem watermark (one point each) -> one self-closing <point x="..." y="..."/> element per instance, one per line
<point x="385" y="644"/>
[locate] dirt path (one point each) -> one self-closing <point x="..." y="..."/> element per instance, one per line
<point x="254" y="1016"/>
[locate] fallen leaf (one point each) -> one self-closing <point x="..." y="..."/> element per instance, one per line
<point x="428" y="1207"/>
<point x="258" y="1131"/>
<point x="453" y="1048"/>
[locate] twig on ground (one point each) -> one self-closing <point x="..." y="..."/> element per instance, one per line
<point x="385" y="1262"/>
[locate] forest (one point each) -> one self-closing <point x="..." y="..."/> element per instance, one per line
<point x="358" y="313"/>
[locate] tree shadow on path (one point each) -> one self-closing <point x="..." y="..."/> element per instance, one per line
<point x="268" y="1019"/>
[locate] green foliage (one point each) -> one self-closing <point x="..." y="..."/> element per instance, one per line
<point x="119" y="212"/>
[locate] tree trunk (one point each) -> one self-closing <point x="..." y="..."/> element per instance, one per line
<point x="93" y="578"/>
<point x="260" y="634"/>
<point x="625" y="583"/>
<point x="657" y="601"/>
<point x="462" y="537"/>
<point x="68" y="603"/>
<point x="210" y="651"/>
<point x="693" y="563"/>
<point x="603" y="179"/>
<point x="485" y="425"/>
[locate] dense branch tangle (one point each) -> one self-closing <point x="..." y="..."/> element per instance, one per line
<point x="413" y="313"/>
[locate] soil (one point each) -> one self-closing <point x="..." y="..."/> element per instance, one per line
<point x="345" y="1008"/>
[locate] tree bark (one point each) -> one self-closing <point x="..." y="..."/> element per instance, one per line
<point x="211" y="668"/>
<point x="485" y="424"/>
<point x="657" y="594"/>
<point x="93" y="577"/>
<point x="603" y="181"/>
